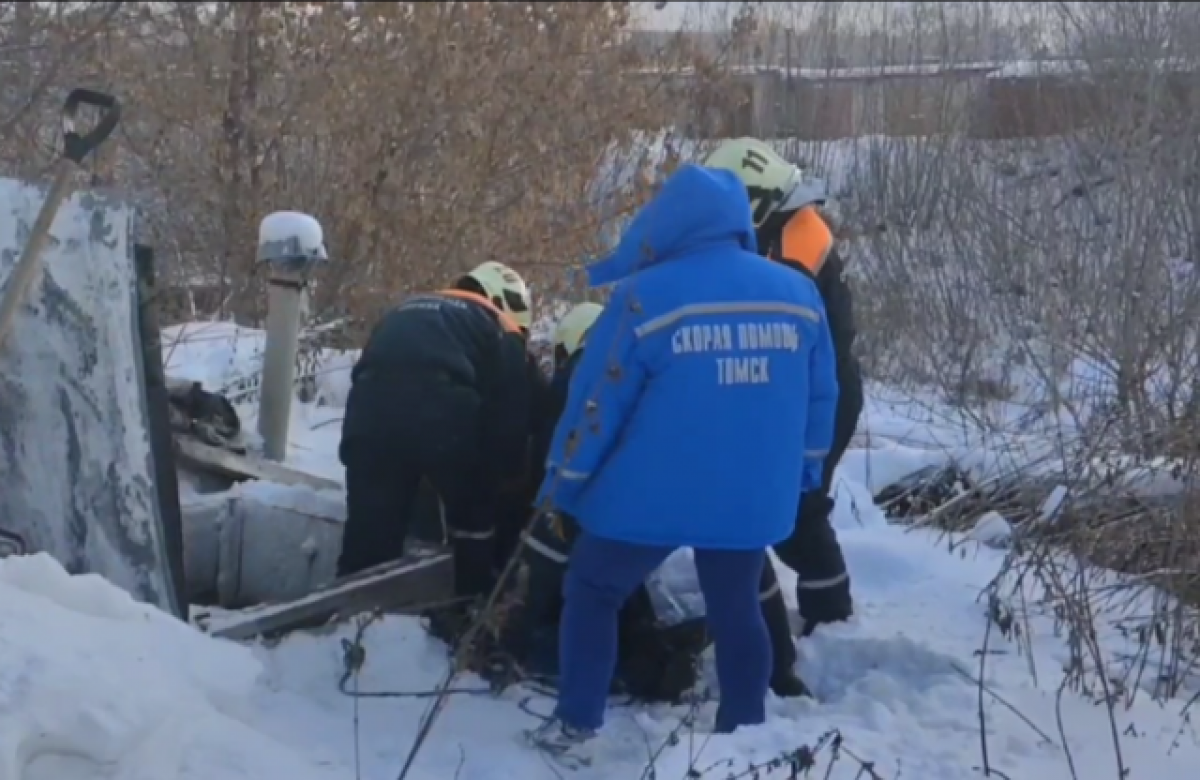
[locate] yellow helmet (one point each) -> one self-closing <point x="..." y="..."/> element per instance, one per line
<point x="773" y="183"/>
<point x="506" y="289"/>
<point x="573" y="327"/>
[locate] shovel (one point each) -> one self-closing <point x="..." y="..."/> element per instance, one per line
<point x="75" y="148"/>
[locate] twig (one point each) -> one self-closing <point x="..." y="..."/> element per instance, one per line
<point x="1005" y="703"/>
<point x="983" y="742"/>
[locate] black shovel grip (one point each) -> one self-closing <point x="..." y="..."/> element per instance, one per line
<point x="77" y="146"/>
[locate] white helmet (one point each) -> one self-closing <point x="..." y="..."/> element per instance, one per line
<point x="573" y="327"/>
<point x="291" y="237"/>
<point x="773" y="183"/>
<point x="506" y="289"/>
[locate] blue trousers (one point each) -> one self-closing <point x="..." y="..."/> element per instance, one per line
<point x="603" y="573"/>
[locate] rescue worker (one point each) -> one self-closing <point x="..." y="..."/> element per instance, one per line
<point x="669" y="436"/>
<point x="568" y="340"/>
<point x="549" y="545"/>
<point x="513" y="511"/>
<point x="440" y="392"/>
<point x="791" y="231"/>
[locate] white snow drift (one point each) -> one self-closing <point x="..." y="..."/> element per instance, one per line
<point x="95" y="686"/>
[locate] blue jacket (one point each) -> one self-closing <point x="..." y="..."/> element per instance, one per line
<point x="703" y="405"/>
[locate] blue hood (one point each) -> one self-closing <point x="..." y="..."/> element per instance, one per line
<point x="696" y="208"/>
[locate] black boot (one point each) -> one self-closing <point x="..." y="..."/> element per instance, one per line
<point x="829" y="603"/>
<point x="785" y="683"/>
<point x="813" y="552"/>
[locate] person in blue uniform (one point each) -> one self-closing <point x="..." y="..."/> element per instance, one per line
<point x="669" y="439"/>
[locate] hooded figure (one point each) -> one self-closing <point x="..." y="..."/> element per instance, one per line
<point x="670" y="439"/>
<point x="644" y="668"/>
<point x="791" y="231"/>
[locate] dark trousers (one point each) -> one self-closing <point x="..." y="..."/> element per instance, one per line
<point x="601" y="576"/>
<point x="382" y="480"/>
<point x="545" y="556"/>
<point x="813" y="551"/>
<point x="513" y="510"/>
<point x="775" y="614"/>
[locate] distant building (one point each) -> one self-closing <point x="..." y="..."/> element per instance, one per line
<point x="985" y="100"/>
<point x="1054" y="97"/>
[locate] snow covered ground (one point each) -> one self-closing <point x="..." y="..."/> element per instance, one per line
<point x="96" y="687"/>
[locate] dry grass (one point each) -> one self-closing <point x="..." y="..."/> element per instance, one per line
<point x="427" y="137"/>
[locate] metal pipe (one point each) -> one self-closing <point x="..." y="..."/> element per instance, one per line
<point x="285" y="295"/>
<point x="292" y="244"/>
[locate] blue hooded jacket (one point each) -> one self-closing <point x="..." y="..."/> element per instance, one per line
<point x="703" y="405"/>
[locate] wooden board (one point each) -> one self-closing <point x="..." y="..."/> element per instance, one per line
<point x="195" y="454"/>
<point x="424" y="576"/>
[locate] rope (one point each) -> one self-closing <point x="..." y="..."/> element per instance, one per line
<point x="354" y="656"/>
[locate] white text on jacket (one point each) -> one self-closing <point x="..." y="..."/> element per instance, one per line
<point x="740" y="337"/>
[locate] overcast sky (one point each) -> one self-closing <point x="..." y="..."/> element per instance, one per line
<point x="671" y="17"/>
<point x="711" y="15"/>
<point x="716" y="15"/>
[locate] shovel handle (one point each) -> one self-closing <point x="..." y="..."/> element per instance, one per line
<point x="76" y="146"/>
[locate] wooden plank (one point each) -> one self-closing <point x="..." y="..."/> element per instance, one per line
<point x="205" y="457"/>
<point x="424" y="576"/>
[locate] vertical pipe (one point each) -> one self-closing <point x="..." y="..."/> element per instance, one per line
<point x="291" y="244"/>
<point x="284" y="302"/>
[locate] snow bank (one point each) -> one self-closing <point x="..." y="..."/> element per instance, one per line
<point x="95" y="685"/>
<point x="228" y="359"/>
<point x="895" y="682"/>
